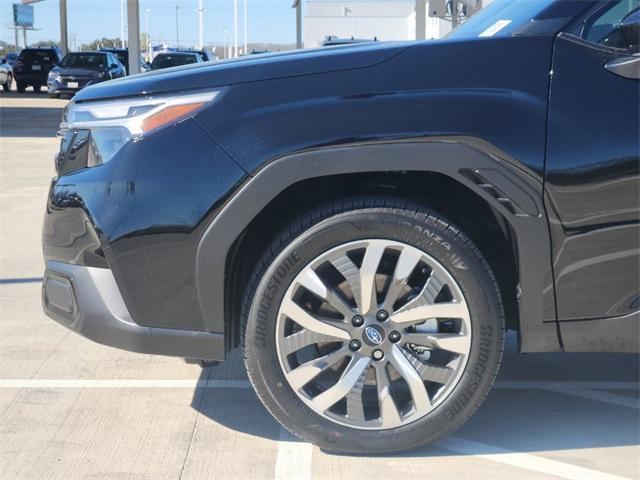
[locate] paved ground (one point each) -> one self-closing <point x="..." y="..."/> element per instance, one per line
<point x="73" y="409"/>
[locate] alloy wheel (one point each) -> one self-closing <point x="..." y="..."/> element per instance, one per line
<point x="373" y="334"/>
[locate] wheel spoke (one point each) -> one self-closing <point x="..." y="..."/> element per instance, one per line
<point x="362" y="281"/>
<point x="421" y="401"/>
<point x="347" y="381"/>
<point x="301" y="339"/>
<point x="306" y="372"/>
<point x="452" y="342"/>
<point x="389" y="415"/>
<point x="407" y="261"/>
<point x="308" y="321"/>
<point x="355" y="407"/>
<point x="410" y="316"/>
<point x="368" y="269"/>
<point x="428" y="372"/>
<point x="312" y="282"/>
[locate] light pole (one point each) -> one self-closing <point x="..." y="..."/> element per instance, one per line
<point x="122" y="23"/>
<point x="177" y="30"/>
<point x="200" y="25"/>
<point x="146" y="29"/>
<point x="224" y="36"/>
<point x="245" y="27"/>
<point x="235" y="28"/>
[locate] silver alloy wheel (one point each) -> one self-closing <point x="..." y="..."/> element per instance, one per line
<point x="373" y="334"/>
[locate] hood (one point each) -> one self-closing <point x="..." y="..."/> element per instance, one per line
<point x="246" y="69"/>
<point x="76" y="72"/>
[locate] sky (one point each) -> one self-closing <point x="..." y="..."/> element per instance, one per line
<point x="269" y="21"/>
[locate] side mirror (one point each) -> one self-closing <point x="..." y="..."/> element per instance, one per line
<point x="113" y="66"/>
<point x="4" y="60"/>
<point x="630" y="29"/>
<point x="147" y="65"/>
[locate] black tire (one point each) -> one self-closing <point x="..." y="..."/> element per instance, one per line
<point x="37" y="88"/>
<point x="357" y="219"/>
<point x="21" y="87"/>
<point x="7" y="86"/>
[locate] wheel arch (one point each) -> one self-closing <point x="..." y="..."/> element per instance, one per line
<point x="489" y="181"/>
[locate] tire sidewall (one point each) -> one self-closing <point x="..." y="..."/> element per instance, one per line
<point x="424" y="232"/>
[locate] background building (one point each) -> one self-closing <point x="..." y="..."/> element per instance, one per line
<point x="381" y="19"/>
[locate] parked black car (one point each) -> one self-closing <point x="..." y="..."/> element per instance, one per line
<point x="33" y="66"/>
<point x="78" y="70"/>
<point x="175" y="59"/>
<point x="364" y="222"/>
<point x="122" y="54"/>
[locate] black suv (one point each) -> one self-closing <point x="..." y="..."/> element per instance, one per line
<point x="123" y="57"/>
<point x="366" y="221"/>
<point x="33" y="65"/>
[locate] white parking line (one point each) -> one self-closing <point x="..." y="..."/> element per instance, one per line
<point x="192" y="383"/>
<point x="121" y="383"/>
<point x="294" y="458"/>
<point x="524" y="460"/>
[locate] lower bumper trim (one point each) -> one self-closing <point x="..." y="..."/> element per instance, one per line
<point x="87" y="300"/>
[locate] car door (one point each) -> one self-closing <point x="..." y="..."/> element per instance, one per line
<point x="592" y="166"/>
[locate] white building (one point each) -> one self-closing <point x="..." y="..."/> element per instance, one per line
<point x="381" y="19"/>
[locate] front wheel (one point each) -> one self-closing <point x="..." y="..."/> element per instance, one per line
<point x="21" y="86"/>
<point x="372" y="327"/>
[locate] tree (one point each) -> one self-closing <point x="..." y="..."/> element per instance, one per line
<point x="102" y="43"/>
<point x="6" y="48"/>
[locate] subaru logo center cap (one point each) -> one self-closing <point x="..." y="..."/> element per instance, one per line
<point x="373" y="335"/>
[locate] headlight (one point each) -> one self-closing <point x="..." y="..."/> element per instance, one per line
<point x="113" y="123"/>
<point x="138" y="116"/>
<point x="54" y="76"/>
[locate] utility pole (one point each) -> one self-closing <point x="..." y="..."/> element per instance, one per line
<point x="146" y="29"/>
<point x="177" y="29"/>
<point x="235" y="28"/>
<point x="224" y="36"/>
<point x="122" y="44"/>
<point x="245" y="27"/>
<point x="200" y="25"/>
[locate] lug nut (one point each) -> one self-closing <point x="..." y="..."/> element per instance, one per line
<point x="357" y="321"/>
<point x="355" y="345"/>
<point x="377" y="354"/>
<point x="382" y="315"/>
<point x="394" y="336"/>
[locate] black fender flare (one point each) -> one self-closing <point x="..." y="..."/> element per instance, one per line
<point x="510" y="188"/>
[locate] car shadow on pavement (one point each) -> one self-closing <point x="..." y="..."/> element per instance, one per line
<point x="29" y="121"/>
<point x="516" y="416"/>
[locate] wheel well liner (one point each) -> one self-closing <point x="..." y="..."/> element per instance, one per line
<point x="495" y="184"/>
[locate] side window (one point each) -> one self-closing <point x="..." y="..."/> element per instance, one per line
<point x="609" y="26"/>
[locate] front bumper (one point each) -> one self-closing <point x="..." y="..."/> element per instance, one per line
<point x="61" y="85"/>
<point x="87" y="300"/>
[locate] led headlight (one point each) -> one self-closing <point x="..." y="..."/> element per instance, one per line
<point x="113" y="123"/>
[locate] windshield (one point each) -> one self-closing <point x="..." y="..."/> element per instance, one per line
<point x="501" y="18"/>
<point x="166" y="61"/>
<point x="36" y="56"/>
<point x="94" y="61"/>
<point x="121" y="56"/>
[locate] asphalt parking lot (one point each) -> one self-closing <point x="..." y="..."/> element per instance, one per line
<point x="72" y="409"/>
